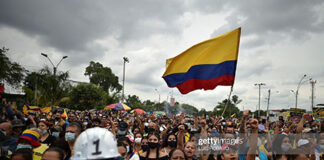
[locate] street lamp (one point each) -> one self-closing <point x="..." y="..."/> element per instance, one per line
<point x="158" y="94"/>
<point x="268" y="104"/>
<point x="54" y="67"/>
<point x="296" y="93"/>
<point x="125" y="60"/>
<point x="259" y="84"/>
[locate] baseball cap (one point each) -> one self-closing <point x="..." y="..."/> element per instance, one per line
<point x="122" y="126"/>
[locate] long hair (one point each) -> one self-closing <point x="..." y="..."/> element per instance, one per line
<point x="157" y="148"/>
<point x="165" y="140"/>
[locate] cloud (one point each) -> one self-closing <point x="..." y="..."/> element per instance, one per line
<point x="73" y="26"/>
<point x="274" y="21"/>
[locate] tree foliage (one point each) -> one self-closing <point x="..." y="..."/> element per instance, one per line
<point x="50" y="89"/>
<point x="86" y="96"/>
<point x="103" y="76"/>
<point x="231" y="109"/>
<point x="11" y="72"/>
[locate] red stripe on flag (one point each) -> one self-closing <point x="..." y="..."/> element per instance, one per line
<point x="206" y="84"/>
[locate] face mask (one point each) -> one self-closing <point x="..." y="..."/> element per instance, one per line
<point x="138" y="140"/>
<point x="44" y="131"/>
<point x="85" y="123"/>
<point x="121" y="132"/>
<point x="285" y="148"/>
<point x="56" y="134"/>
<point x="69" y="136"/>
<point x="188" y="124"/>
<point x="145" y="147"/>
<point x="259" y="142"/>
<point x="172" y="143"/>
<point x="153" y="145"/>
<point x="127" y="149"/>
<point x="20" y="146"/>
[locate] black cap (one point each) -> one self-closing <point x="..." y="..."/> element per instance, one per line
<point x="122" y="126"/>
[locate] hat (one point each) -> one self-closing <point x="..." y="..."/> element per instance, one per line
<point x="17" y="123"/>
<point x="122" y="126"/>
<point x="31" y="136"/>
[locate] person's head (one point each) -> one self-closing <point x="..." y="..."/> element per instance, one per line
<point x="29" y="139"/>
<point x="122" y="149"/>
<point x="122" y="128"/>
<point x="144" y="144"/>
<point x="231" y="153"/>
<point x="153" y="140"/>
<point x="43" y="126"/>
<point x="64" y="146"/>
<point x="127" y="143"/>
<point x="177" y="154"/>
<point x="152" y="127"/>
<point x="6" y="129"/>
<point x="53" y="153"/>
<point x="171" y="140"/>
<point x="281" y="144"/>
<point x="72" y="132"/>
<point x="22" y="154"/>
<point x="189" y="149"/>
<point x="138" y="138"/>
<point x="136" y="130"/>
<point x="96" y="122"/>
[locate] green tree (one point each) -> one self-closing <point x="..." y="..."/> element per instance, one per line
<point x="86" y="96"/>
<point x="50" y="89"/>
<point x="103" y="76"/>
<point x="11" y="72"/>
<point x="231" y="109"/>
<point x="133" y="101"/>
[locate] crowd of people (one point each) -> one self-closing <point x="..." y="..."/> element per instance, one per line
<point x="102" y="134"/>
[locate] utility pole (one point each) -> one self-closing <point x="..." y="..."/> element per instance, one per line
<point x="259" y="84"/>
<point x="312" y="82"/>
<point x="125" y="60"/>
<point x="35" y="94"/>
<point x="269" y="92"/>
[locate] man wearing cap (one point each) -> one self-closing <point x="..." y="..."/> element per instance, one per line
<point x="122" y="129"/>
<point x="17" y="127"/>
<point x="10" y="141"/>
<point x="29" y="139"/>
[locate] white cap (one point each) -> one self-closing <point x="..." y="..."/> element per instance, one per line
<point x="95" y="143"/>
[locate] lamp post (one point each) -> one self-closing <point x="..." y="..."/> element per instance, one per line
<point x="259" y="84"/>
<point x="296" y="93"/>
<point x="158" y="94"/>
<point x="54" y="67"/>
<point x="268" y="104"/>
<point x="125" y="61"/>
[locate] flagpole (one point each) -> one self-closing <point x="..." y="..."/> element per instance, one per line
<point x="229" y="96"/>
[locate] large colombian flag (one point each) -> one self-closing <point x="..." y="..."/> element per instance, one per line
<point x="205" y="65"/>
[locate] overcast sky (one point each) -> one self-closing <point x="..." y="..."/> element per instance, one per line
<point x="280" y="42"/>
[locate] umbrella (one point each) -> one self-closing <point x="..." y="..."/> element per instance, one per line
<point x="118" y="107"/>
<point x="139" y="111"/>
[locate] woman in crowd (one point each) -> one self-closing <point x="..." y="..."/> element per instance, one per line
<point x="154" y="148"/>
<point x="177" y="154"/>
<point x="170" y="143"/>
<point x="189" y="150"/>
<point x="137" y="142"/>
<point x="45" y="137"/>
